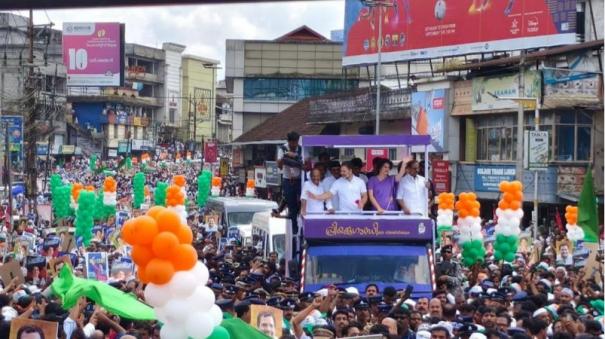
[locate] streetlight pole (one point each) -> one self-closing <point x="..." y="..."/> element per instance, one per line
<point x="380" y="4"/>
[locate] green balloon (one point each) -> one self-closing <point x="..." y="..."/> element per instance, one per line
<point x="159" y="194"/>
<point x="138" y="186"/>
<point x="510" y="256"/>
<point x="219" y="332"/>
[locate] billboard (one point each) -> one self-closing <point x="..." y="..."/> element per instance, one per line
<point x="14" y="123"/>
<point x="415" y="29"/>
<point x="94" y="53"/>
<point x="428" y="117"/>
<point x="504" y="86"/>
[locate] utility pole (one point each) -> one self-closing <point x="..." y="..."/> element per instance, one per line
<point x="194" y="123"/>
<point x="520" y="121"/>
<point x="30" y="117"/>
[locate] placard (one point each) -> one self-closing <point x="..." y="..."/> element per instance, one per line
<point x="97" y="266"/>
<point x="260" y="177"/>
<point x="44" y="329"/>
<point x="11" y="270"/>
<point x="267" y="319"/>
<point x="537" y="150"/>
<point x="441" y="176"/>
<point x="272" y="176"/>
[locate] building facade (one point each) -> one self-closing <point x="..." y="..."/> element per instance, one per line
<point x="265" y="77"/>
<point x="170" y="117"/>
<point x="198" y="100"/>
<point x="123" y="120"/>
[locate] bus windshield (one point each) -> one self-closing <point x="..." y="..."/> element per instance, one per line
<point x="367" y="263"/>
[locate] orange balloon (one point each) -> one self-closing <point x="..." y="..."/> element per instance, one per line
<point x="463" y="213"/>
<point x="185" y="235"/>
<point x="504" y="186"/>
<point x="127" y="232"/>
<point x="518" y="195"/>
<point x="164" y="244"/>
<point x="141" y="255"/>
<point x="184" y="257"/>
<point x="159" y="271"/>
<point x="90" y="188"/>
<point x="508" y="197"/>
<point x="179" y="180"/>
<point x="216" y="181"/>
<point x="515" y="205"/>
<point x="516" y="186"/>
<point x="502" y="204"/>
<point x="146" y="229"/>
<point x="475" y="212"/>
<point x="154" y="211"/>
<point x="141" y="274"/>
<point x="169" y="221"/>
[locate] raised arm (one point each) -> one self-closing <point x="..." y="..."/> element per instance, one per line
<point x="401" y="172"/>
<point x="300" y="317"/>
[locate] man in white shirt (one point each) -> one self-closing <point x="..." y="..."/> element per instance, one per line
<point x="314" y="187"/>
<point x="412" y="193"/>
<point x="349" y="189"/>
<point x="326" y="183"/>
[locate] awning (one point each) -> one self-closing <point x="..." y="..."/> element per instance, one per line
<point x="576" y="197"/>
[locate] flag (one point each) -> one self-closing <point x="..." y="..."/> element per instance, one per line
<point x="238" y="329"/>
<point x="587" y="210"/>
<point x="70" y="288"/>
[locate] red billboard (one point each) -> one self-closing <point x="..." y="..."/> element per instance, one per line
<point x="421" y="29"/>
<point x="441" y="176"/>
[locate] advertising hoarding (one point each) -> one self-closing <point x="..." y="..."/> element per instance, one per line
<point x="428" y="117"/>
<point x="442" y="28"/>
<point x="94" y="53"/>
<point x="537" y="150"/>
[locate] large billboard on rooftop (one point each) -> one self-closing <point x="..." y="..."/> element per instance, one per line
<point x="422" y="29"/>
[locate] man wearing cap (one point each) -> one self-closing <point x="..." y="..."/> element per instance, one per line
<point x="440" y="332"/>
<point x="287" y="306"/>
<point x="447" y="267"/>
<point x="402" y="316"/>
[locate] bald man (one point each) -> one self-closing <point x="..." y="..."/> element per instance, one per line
<point x="435" y="308"/>
<point x="391" y="324"/>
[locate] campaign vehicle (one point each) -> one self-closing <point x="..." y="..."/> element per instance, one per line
<point x="237" y="212"/>
<point x="354" y="249"/>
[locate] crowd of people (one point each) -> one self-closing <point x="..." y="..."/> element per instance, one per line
<point x="533" y="297"/>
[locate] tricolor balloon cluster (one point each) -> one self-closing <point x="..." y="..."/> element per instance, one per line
<point x="176" y="281"/>
<point x="469" y="224"/>
<point x="85" y="215"/>
<point x="60" y="196"/>
<point x="203" y="187"/>
<point x="216" y="186"/>
<point x="159" y="194"/>
<point x="574" y="232"/>
<point x="75" y="194"/>
<point x="175" y="200"/>
<point x="445" y="213"/>
<point x="510" y="213"/>
<point x="138" y="186"/>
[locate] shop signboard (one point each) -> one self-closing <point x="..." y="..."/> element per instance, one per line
<point x="14" y="123"/>
<point x="260" y="177"/>
<point x="568" y="88"/>
<point x="441" y="176"/>
<point x="488" y="177"/>
<point x="210" y="151"/>
<point x="537" y="150"/>
<point x="486" y="88"/>
<point x="428" y="117"/>
<point x="94" y="53"/>
<point x="123" y="147"/>
<point x="434" y="29"/>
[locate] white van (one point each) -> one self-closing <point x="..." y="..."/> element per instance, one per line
<point x="270" y="232"/>
<point x="238" y="212"/>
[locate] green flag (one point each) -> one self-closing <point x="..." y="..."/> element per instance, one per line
<point x="587" y="210"/>
<point x="238" y="329"/>
<point x="70" y="288"/>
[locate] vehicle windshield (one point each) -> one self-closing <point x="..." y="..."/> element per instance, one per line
<point x="240" y="218"/>
<point x="279" y="244"/>
<point x="360" y="263"/>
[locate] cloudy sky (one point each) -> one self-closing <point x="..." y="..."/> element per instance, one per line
<point x="204" y="28"/>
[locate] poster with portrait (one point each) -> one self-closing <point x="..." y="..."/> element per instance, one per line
<point x="564" y="253"/>
<point x="28" y="328"/>
<point x="122" y="271"/>
<point x="267" y="319"/>
<point x="97" y="266"/>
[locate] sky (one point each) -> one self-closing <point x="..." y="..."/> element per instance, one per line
<point x="204" y="28"/>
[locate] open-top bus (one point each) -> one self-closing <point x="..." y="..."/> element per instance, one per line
<point x="356" y="249"/>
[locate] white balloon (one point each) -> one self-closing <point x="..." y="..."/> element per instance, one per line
<point x="201" y="273"/>
<point x="183" y="284"/>
<point x="216" y="314"/>
<point x="160" y="314"/>
<point x="476" y="229"/>
<point x="508" y="213"/>
<point x="464" y="238"/>
<point x="202" y="299"/>
<point x="177" y="310"/>
<point x="199" y="325"/>
<point x="519" y="213"/>
<point x="499" y="212"/>
<point x="157" y="295"/>
<point x="172" y="331"/>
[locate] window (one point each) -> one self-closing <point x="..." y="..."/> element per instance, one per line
<point x="293" y="89"/>
<point x="171" y="115"/>
<point x="570" y="134"/>
<point x="496" y="138"/>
